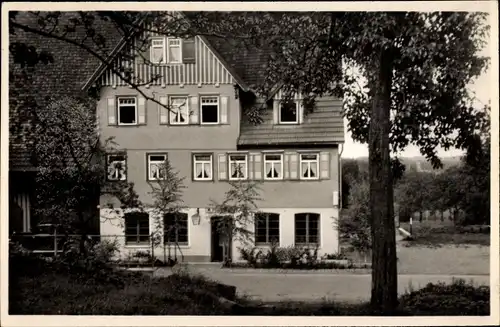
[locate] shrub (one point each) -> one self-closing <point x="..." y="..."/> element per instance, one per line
<point x="271" y="258"/>
<point x="458" y="298"/>
<point x="334" y="256"/>
<point x="252" y="256"/>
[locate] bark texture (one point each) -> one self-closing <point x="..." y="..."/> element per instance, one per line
<point x="384" y="269"/>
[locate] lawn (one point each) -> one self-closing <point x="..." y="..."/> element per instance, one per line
<point x="56" y="293"/>
<point x="435" y="233"/>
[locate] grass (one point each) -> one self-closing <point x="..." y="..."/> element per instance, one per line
<point x="56" y="293"/>
<point x="437" y="233"/>
<point x="50" y="292"/>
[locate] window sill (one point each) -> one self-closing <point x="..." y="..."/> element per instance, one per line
<point x="266" y="244"/>
<point x="203" y="180"/>
<point x="180" y="246"/>
<point x="137" y="246"/>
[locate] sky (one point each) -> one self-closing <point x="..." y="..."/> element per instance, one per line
<point x="481" y="87"/>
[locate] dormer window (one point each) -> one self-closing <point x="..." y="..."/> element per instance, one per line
<point x="289" y="112"/>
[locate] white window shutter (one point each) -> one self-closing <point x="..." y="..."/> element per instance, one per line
<point x="276" y="109"/>
<point x="224" y="109"/>
<point x="141" y="110"/>
<point x="222" y="167"/>
<point x="301" y="111"/>
<point x="194" y="115"/>
<point x="257" y="168"/>
<point x="163" y="110"/>
<point x="286" y="166"/>
<point x="324" y="165"/>
<point x="251" y="160"/>
<point x="294" y="165"/>
<point x="111" y="111"/>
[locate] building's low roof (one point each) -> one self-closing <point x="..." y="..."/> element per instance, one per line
<point x="324" y="125"/>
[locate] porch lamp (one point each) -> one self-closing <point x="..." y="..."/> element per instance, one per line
<point x="196" y="217"/>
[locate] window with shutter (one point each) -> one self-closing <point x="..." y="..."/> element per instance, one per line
<point x="202" y="167"/>
<point x="273" y="166"/>
<point x="238" y="166"/>
<point x="127" y="111"/>
<point x="309" y="166"/>
<point x="179" y="110"/>
<point x="209" y="109"/>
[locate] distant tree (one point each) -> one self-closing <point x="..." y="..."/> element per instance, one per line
<point x="354" y="225"/>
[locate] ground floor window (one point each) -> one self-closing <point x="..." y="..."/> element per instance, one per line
<point x="136" y="228"/>
<point x="267" y="228"/>
<point x="176" y="228"/>
<point x="307" y="229"/>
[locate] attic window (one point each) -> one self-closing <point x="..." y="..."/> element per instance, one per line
<point x="158" y="50"/>
<point x="174" y="51"/>
<point x="289" y="112"/>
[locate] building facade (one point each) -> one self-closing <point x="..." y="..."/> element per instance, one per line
<point x="209" y="141"/>
<point x="206" y="137"/>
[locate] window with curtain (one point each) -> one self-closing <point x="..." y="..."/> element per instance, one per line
<point x="273" y="165"/>
<point x="309" y="166"/>
<point x="202" y="167"/>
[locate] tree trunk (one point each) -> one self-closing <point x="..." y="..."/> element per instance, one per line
<point x="384" y="265"/>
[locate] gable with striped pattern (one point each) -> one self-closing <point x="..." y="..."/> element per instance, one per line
<point x="205" y="69"/>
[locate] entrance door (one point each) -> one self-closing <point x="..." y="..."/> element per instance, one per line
<point x="217" y="250"/>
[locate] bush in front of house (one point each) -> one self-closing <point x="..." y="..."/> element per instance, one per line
<point x="457" y="298"/>
<point x="291" y="257"/>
